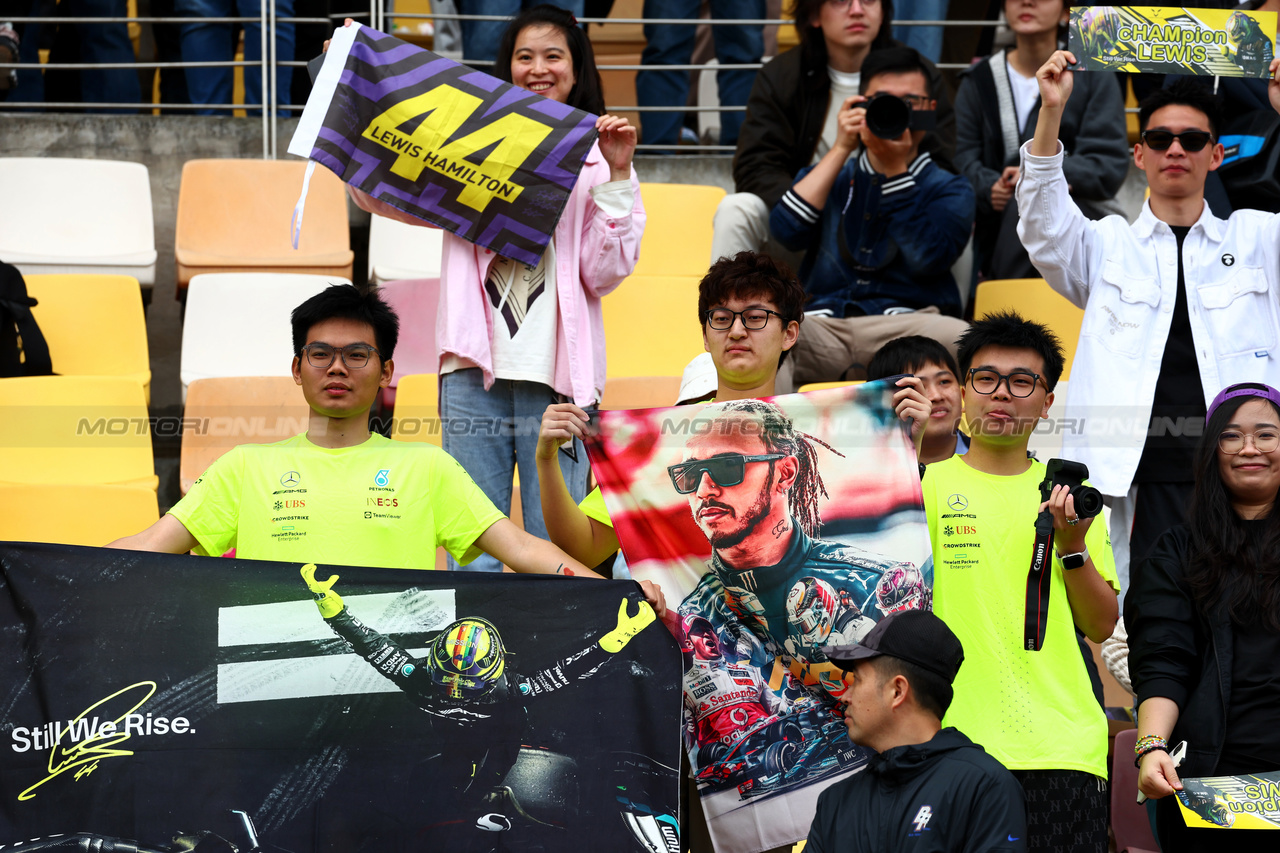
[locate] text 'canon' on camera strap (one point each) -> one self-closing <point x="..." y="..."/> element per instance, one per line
<point x="1038" y="580"/>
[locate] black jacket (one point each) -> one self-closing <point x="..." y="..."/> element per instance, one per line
<point x="944" y="795"/>
<point x="1180" y="650"/>
<point x="785" y="114"/>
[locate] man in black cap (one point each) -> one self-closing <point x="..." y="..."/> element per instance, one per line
<point x="930" y="788"/>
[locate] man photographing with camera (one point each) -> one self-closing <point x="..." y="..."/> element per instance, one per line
<point x="880" y="224"/>
<point x="1015" y="583"/>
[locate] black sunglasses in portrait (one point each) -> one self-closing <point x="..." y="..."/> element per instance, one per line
<point x="1191" y="140"/>
<point x="727" y="470"/>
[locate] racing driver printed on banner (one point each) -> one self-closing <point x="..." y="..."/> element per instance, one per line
<point x="476" y="702"/>
<point x="753" y="486"/>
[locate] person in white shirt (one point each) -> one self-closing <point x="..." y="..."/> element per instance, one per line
<point x="1176" y="305"/>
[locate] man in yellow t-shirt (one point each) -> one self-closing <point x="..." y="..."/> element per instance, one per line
<point x="1034" y="711"/>
<point x="337" y="493"/>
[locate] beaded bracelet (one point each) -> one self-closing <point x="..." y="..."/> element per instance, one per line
<point x="1150" y="743"/>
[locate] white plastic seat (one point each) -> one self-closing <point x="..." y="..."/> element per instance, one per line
<point x="237" y="324"/>
<point x="399" y="251"/>
<point x="70" y="216"/>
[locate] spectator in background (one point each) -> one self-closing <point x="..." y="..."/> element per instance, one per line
<point x="108" y="42"/>
<point x="504" y="354"/>
<point x="212" y="42"/>
<point x="935" y="367"/>
<point x="1176" y="303"/>
<point x="880" y="230"/>
<point x="793" y="109"/>
<point x="1034" y="711"/>
<point x="927" y="40"/>
<point x="672" y="44"/>
<point x="9" y="45"/>
<point x="996" y="109"/>
<point x="1204" y="622"/>
<point x="480" y="39"/>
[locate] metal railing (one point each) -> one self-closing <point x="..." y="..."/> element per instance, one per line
<point x="378" y="16"/>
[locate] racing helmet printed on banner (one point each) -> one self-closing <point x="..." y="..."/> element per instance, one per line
<point x="811" y="609"/>
<point x="467" y="659"/>
<point x="902" y="587"/>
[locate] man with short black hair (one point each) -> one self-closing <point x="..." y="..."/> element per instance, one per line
<point x="930" y="788"/>
<point x="1176" y="305"/>
<point x="1025" y="693"/>
<point x="936" y="368"/>
<point x="880" y="224"/>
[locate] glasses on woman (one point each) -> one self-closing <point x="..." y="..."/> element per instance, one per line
<point x="354" y="356"/>
<point x="1232" y="441"/>
<point x="845" y="4"/>
<point x="1192" y="140"/>
<point x="1020" y="382"/>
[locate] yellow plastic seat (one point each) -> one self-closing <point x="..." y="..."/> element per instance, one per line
<point x="235" y="215"/>
<point x="1034" y="300"/>
<point x="651" y="326"/>
<point x="818" y="386"/>
<point x="85" y="514"/>
<point x="94" y="325"/>
<point x="225" y="412"/>
<point x="677" y="230"/>
<point x="417" y="414"/>
<point x="75" y="430"/>
<point x="640" y="392"/>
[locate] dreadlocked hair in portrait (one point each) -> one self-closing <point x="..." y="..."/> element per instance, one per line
<point x="780" y="436"/>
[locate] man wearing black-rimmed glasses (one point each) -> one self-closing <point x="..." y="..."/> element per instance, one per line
<point x="1177" y="305"/>
<point x="1033" y="710"/>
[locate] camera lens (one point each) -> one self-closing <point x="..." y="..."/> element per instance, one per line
<point x="1088" y="501"/>
<point x="888" y="115"/>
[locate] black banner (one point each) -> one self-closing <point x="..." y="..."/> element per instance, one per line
<point x="194" y="703"/>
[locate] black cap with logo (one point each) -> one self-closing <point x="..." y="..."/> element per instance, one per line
<point x="916" y="636"/>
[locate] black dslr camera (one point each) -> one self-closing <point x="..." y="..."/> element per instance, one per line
<point x="888" y="116"/>
<point x="1064" y="472"/>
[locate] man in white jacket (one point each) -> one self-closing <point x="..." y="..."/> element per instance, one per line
<point x="1176" y="306"/>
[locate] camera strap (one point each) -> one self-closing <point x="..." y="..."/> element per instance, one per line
<point x="1039" y="579"/>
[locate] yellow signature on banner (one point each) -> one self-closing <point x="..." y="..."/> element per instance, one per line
<point x="440" y="114"/>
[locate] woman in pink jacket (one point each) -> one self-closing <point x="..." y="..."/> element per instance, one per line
<point x="515" y="338"/>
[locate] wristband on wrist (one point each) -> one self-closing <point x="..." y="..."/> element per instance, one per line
<point x="1148" y="744"/>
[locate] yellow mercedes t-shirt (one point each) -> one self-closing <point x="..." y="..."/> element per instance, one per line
<point x="593" y="507"/>
<point x="1031" y="710"/>
<point x="381" y="503"/>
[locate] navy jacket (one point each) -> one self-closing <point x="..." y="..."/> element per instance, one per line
<point x="944" y="795"/>
<point x="879" y="243"/>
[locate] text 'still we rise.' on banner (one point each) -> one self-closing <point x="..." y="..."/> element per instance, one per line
<point x="1173" y="40"/>
<point x="483" y="159"/>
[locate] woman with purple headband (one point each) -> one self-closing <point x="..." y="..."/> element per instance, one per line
<point x="1204" y="622"/>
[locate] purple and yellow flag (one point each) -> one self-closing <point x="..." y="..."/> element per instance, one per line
<point x="486" y="160"/>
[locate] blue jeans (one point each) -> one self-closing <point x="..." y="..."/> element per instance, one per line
<point x="203" y="42"/>
<point x="480" y="38"/>
<point x="672" y="44"/>
<point x="927" y="40"/>
<point x="492" y="432"/>
<point x="96" y="43"/>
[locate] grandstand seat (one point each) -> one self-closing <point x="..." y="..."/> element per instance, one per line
<point x="85" y="514"/>
<point x="649" y="309"/>
<point x="75" y="430"/>
<point x="235" y="215"/>
<point x="1034" y="300"/>
<point x="640" y="392"/>
<point x="76" y="216"/>
<point x="1128" y="819"/>
<point x="229" y="410"/>
<point x="417" y="415"/>
<point x="818" y="386"/>
<point x="93" y="324"/>
<point x="398" y="251"/>
<point x="416" y="302"/>
<point x="677" y="230"/>
<point x="238" y="323"/>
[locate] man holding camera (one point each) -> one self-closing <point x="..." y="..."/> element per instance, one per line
<point x="1024" y="692"/>
<point x="880" y="224"/>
